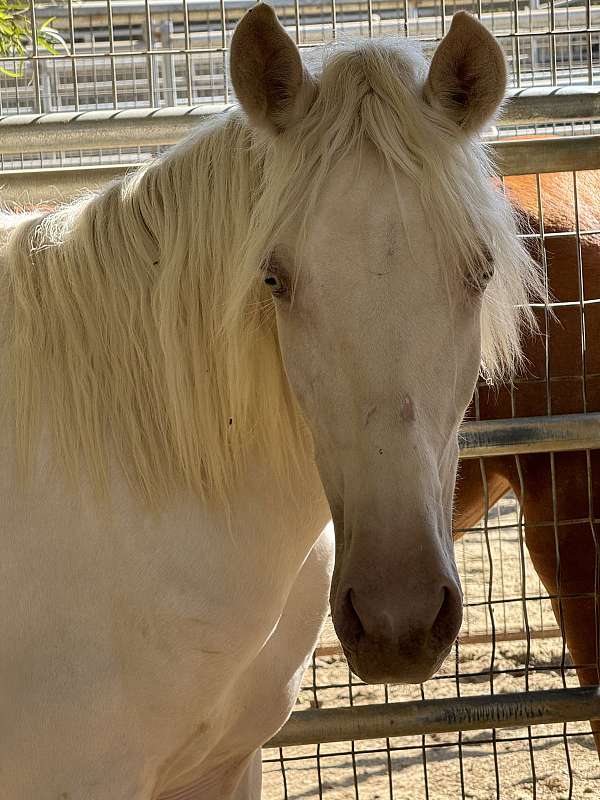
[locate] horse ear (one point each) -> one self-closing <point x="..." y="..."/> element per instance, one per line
<point x="267" y="72"/>
<point x="467" y="76"/>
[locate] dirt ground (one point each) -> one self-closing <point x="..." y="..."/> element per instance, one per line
<point x="548" y="766"/>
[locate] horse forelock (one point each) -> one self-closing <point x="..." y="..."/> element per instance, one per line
<point x="135" y="319"/>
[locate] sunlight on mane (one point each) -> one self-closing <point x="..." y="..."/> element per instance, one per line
<point x="135" y="323"/>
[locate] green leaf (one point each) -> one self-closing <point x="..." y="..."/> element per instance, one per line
<point x="47" y="44"/>
<point x="16" y="33"/>
<point x="10" y="72"/>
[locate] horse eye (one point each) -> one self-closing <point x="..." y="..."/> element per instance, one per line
<point x="478" y="283"/>
<point x="484" y="272"/>
<point x="488" y="273"/>
<point x="275" y="284"/>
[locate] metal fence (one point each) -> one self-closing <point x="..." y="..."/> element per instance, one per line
<point x="150" y="54"/>
<point x="510" y="650"/>
<point x="138" y="56"/>
<point x="118" y="64"/>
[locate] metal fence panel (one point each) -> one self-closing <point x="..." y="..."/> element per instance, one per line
<point x="141" y="53"/>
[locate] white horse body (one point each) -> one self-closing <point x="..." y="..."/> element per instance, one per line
<point x="163" y="650"/>
<point x="163" y="575"/>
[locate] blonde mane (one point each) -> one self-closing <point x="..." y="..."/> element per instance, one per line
<point x="134" y="321"/>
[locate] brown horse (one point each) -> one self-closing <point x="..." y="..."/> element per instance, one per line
<point x="559" y="493"/>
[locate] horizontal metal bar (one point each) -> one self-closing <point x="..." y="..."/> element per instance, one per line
<point x="95" y="130"/>
<point x="503" y="437"/>
<point x="100" y="130"/>
<point x="512" y="158"/>
<point x="388" y="720"/>
<point x="551" y="103"/>
<point x="533" y="156"/>
<point x="536" y="18"/>
<point x="137" y="7"/>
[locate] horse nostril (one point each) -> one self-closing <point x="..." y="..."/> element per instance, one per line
<point x="449" y="617"/>
<point x="349" y="625"/>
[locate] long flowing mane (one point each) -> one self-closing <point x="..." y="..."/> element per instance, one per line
<point x="134" y="323"/>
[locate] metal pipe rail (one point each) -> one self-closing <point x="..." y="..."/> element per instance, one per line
<point x="418" y="717"/>
<point x="551" y="104"/>
<point x="504" y="437"/>
<point x="135" y="127"/>
<point x="527" y="157"/>
<point x="100" y="130"/>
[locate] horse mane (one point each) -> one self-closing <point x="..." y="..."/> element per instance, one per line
<point x="133" y="321"/>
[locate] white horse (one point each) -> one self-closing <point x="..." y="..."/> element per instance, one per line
<point x="296" y="298"/>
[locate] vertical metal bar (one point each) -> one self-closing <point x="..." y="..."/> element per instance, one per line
<point x="517" y="43"/>
<point x="502" y="582"/>
<point x="590" y="483"/>
<point x="466" y="587"/>
<point x="525" y="610"/>
<point x="588" y="25"/>
<point x="73" y="54"/>
<point x="35" y="63"/>
<point x="94" y="69"/>
<point x="522" y="497"/>
<point x="45" y="87"/>
<point x="111" y="54"/>
<point x="297" y="19"/>
<point x="461" y="766"/>
<point x="583" y="348"/>
<point x="563" y="657"/>
<point x="352" y="744"/>
<point x="224" y="51"/>
<point x="168" y="63"/>
<point x="153" y="98"/>
<point x="388" y="751"/>
<point x="334" y="19"/>
<point x="188" y="55"/>
<point x="555" y="529"/>
<point x="553" y="36"/>
<point x="490" y="607"/>
<point x="316" y="703"/>
<point x="424" y="750"/>
<point x="283" y="774"/>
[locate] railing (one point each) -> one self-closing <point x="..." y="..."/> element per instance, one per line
<point x="89" y="130"/>
<point x="422" y="717"/>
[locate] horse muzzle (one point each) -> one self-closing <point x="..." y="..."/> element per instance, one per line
<point x="388" y="638"/>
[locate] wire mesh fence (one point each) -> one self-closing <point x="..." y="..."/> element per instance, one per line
<point x="143" y="54"/>
<point x="149" y="54"/>
<point x="510" y="642"/>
